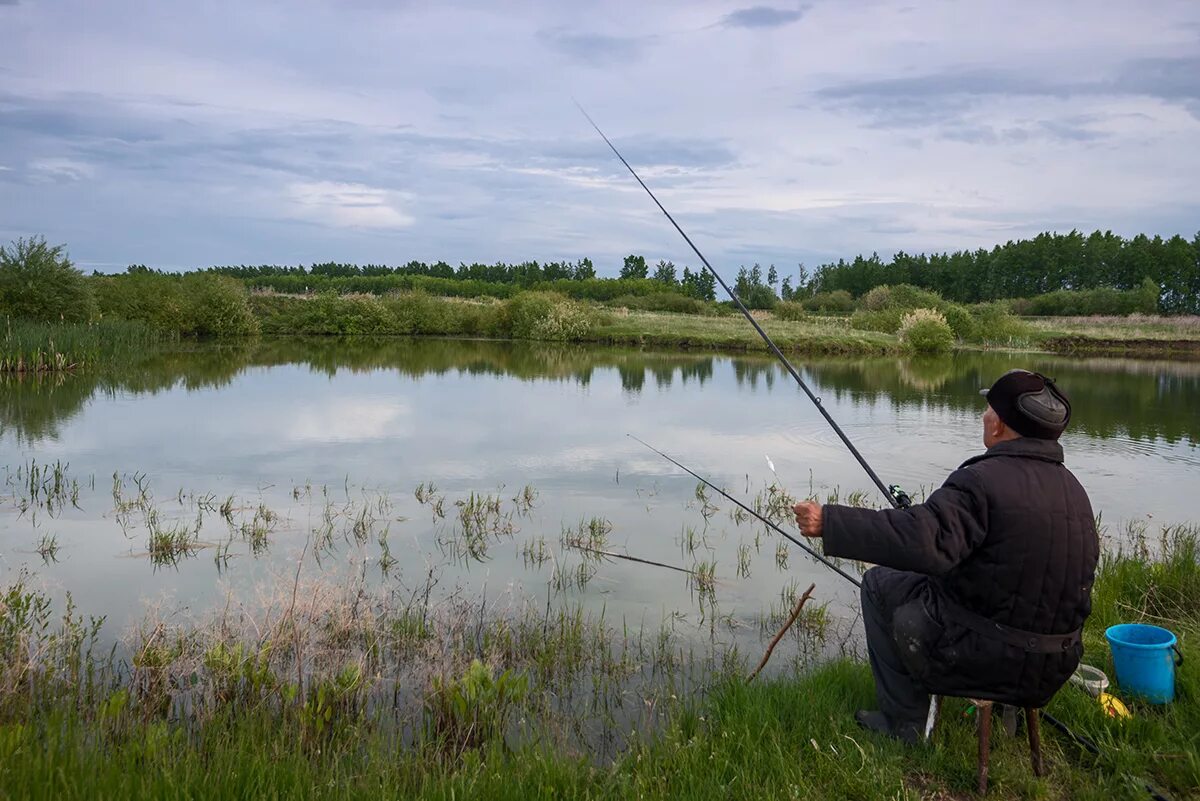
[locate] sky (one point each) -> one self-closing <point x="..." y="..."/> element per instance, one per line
<point x="183" y="135"/>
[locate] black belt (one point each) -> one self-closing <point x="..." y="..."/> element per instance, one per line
<point x="1029" y="641"/>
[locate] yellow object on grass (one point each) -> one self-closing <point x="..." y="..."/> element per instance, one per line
<point x="1114" y="706"/>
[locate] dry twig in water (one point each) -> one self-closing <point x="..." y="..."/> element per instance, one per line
<point x="770" y="648"/>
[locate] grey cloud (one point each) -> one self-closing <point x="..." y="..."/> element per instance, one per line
<point x="1168" y="78"/>
<point x="1077" y="129"/>
<point x="942" y="97"/>
<point x="762" y="17"/>
<point x="594" y="49"/>
<point x="952" y="86"/>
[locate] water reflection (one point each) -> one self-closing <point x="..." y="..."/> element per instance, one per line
<point x="291" y="426"/>
<point x="1144" y="401"/>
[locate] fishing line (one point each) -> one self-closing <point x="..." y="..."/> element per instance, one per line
<point x="893" y="493"/>
<point x="819" y="557"/>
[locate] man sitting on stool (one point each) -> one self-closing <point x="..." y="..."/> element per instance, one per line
<point x="983" y="589"/>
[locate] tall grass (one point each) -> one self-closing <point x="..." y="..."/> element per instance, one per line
<point x="510" y="706"/>
<point x="31" y="347"/>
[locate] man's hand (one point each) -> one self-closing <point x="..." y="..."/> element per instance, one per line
<point x="810" y="518"/>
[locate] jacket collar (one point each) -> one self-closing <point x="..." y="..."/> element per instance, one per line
<point x="1048" y="450"/>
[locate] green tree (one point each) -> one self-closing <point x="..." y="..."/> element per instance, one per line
<point x="742" y="284"/>
<point x="772" y="276"/>
<point x="635" y="267"/>
<point x="39" y="282"/>
<point x="665" y="272"/>
<point x="584" y="270"/>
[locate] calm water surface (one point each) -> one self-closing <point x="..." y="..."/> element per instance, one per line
<point x="326" y="433"/>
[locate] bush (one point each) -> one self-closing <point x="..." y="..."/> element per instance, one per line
<point x="151" y="298"/>
<point x="1102" y="301"/>
<point x="886" y="321"/>
<point x="759" y="296"/>
<point x="39" y="282"/>
<point x="837" y="301"/>
<point x="899" y="296"/>
<point x="925" y="331"/>
<point x="961" y="321"/>
<point x="216" y="306"/>
<point x="790" y="310"/>
<point x="995" y="323"/>
<point x="907" y="296"/>
<point x="547" y="315"/>
<point x="330" y="314"/>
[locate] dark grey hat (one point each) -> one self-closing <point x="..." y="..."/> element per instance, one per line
<point x="1030" y="404"/>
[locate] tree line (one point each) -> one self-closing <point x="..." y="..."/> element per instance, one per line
<point x="1073" y="273"/>
<point x="1028" y="268"/>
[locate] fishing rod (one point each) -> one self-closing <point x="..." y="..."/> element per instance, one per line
<point x="896" y="496"/>
<point x="1084" y="742"/>
<point x="810" y="551"/>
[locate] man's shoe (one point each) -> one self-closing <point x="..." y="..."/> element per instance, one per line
<point x="909" y="734"/>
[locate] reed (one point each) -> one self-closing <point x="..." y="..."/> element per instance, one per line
<point x="30" y="347"/>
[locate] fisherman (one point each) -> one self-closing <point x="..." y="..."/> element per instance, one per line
<point x="981" y="591"/>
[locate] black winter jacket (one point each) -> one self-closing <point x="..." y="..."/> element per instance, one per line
<point x="1010" y="537"/>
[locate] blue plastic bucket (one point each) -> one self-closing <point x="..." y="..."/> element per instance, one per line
<point x="1145" y="658"/>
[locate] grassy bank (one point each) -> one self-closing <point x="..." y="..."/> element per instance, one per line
<point x="139" y="318"/>
<point x="550" y="317"/>
<point x="217" y="712"/>
<point x="816" y="335"/>
<point x="31" y="347"/>
<point x="1135" y="334"/>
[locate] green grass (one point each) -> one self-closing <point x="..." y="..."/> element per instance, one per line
<point x="69" y="732"/>
<point x="1137" y="334"/>
<point x="31" y="347"/>
<point x="816" y="335"/>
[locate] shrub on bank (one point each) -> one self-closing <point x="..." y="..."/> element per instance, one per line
<point x="961" y="322"/>
<point x="421" y="313"/>
<point x="759" y="296"/>
<point x="38" y="282"/>
<point x="899" y="296"/>
<point x="156" y="300"/>
<point x="995" y="323"/>
<point x="547" y="315"/>
<point x="837" y="301"/>
<point x="886" y="321"/>
<point x="925" y="331"/>
<point x="1103" y="300"/>
<point x="216" y="306"/>
<point x="790" y="310"/>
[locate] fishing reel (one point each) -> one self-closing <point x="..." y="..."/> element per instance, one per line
<point x="900" y="496"/>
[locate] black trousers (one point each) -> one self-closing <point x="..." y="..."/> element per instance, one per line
<point x="898" y="642"/>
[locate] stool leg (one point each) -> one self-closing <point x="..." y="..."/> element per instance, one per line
<point x="1035" y="740"/>
<point x="931" y="720"/>
<point x="985" y="735"/>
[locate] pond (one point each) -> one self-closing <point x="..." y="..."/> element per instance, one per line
<point x="209" y="471"/>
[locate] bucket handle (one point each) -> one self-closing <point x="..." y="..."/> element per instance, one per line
<point x="1178" y="656"/>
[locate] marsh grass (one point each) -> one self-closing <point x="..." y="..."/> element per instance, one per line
<point x="29" y="347"/>
<point x="169" y="542"/>
<point x="322" y="683"/>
